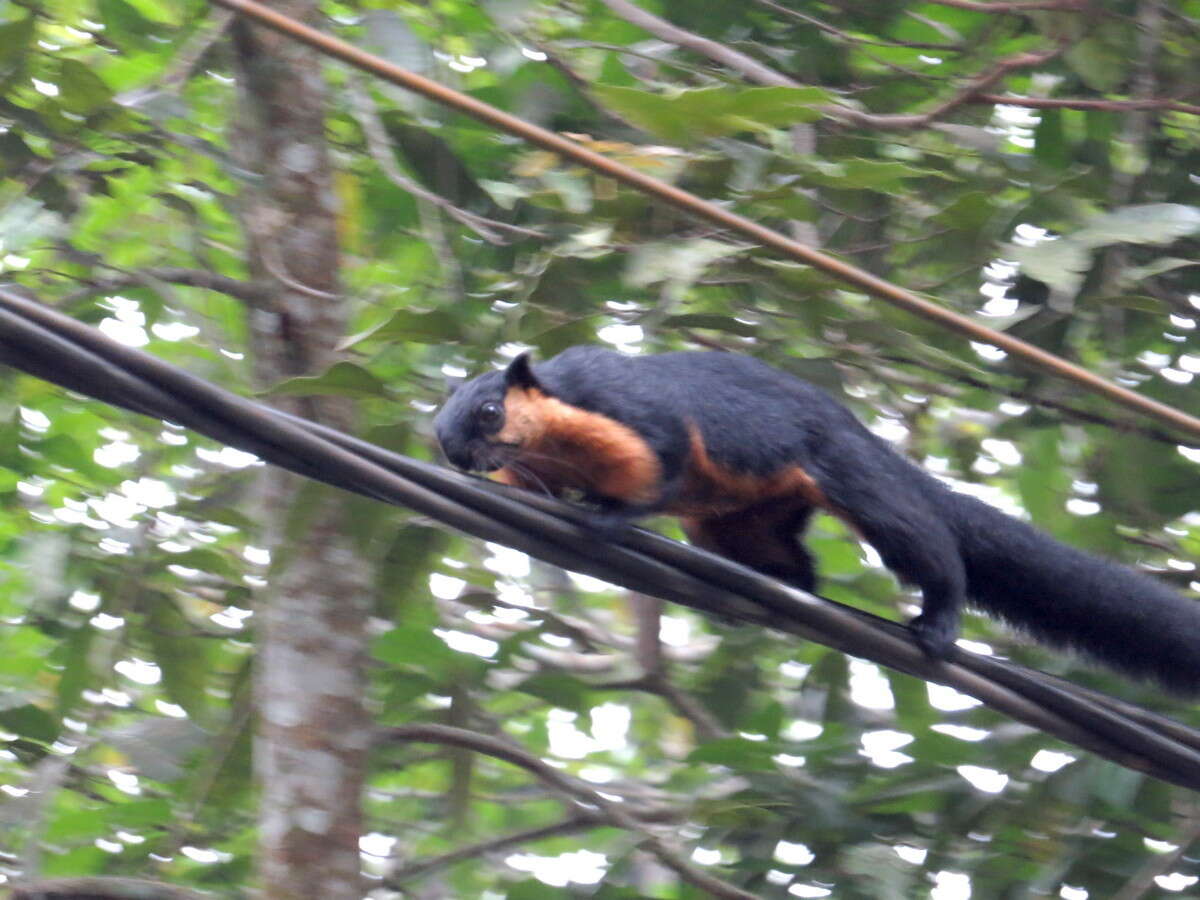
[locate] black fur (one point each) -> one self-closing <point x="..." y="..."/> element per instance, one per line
<point x="460" y="431"/>
<point x="758" y="420"/>
<point x="520" y="374"/>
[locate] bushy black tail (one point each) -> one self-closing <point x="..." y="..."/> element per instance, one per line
<point x="1071" y="599"/>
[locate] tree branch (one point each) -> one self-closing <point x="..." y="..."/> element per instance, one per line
<point x="755" y="71"/>
<point x="1071" y="412"/>
<point x="804" y="138"/>
<point x="961" y="97"/>
<point x="380" y="148"/>
<point x="414" y="870"/>
<point x="99" y="888"/>
<point x="1017" y="7"/>
<point x="749" y="67"/>
<point x="707" y="727"/>
<point x="186" y="61"/>
<point x="655" y="679"/>
<point x="251" y="292"/>
<point x="615" y="813"/>
<point x="1080" y="103"/>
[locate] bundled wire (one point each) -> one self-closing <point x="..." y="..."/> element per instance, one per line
<point x="57" y="348"/>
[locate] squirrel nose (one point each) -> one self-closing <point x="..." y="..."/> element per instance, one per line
<point x="461" y="458"/>
<point x="457" y="453"/>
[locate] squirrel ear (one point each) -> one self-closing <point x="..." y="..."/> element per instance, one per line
<point x="519" y="374"/>
<point x="453" y="383"/>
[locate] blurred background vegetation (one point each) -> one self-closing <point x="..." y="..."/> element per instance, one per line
<point x="1033" y="165"/>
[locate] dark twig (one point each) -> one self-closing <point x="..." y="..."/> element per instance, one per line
<point x="1080" y="103"/>
<point x="581" y="821"/>
<point x="1142" y="882"/>
<point x="251" y="292"/>
<point x="101" y="888"/>
<point x="961" y="97"/>
<point x="1019" y="7"/>
<point x="707" y="727"/>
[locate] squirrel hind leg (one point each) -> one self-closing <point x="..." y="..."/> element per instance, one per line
<point x="765" y="537"/>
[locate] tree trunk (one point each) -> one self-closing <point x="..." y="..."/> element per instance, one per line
<point x="313" y="730"/>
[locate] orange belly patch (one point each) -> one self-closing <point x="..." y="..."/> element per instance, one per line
<point x="563" y="447"/>
<point x="711" y="490"/>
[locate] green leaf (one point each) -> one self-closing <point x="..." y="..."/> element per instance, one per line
<point x="403" y="572"/>
<point x="15" y="154"/>
<point x="16" y="38"/>
<point x="531" y="889"/>
<point x="738" y="754"/>
<point x="75" y="862"/>
<point x="1157" y="267"/>
<point x="554" y="340"/>
<point x="767" y="720"/>
<point x="206" y="559"/>
<point x="401" y="692"/>
<point x="1149" y="223"/>
<point x="1059" y="263"/>
<point x="141" y="813"/>
<point x="614" y="73"/>
<point x="342" y="379"/>
<point x="29" y="721"/>
<point x="76" y="824"/>
<point x="865" y="174"/>
<point x="824" y="373"/>
<point x="711" y="323"/>
<point x="81" y="90"/>
<point x="1098" y="62"/>
<point x="560" y="690"/>
<point x="1115" y="784"/>
<point x="880" y="873"/>
<point x="678" y="262"/>
<point x="688" y="116"/>
<point x="181" y="656"/>
<point x="124" y="24"/>
<point x="1050" y="142"/>
<point x="65" y="451"/>
<point x="157" y="747"/>
<point x="433" y="327"/>
<point x="417" y="648"/>
<point x="24" y="222"/>
<point x="76" y="668"/>
<point x="1042" y="481"/>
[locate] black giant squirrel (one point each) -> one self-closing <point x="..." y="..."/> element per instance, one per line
<point x="742" y="454"/>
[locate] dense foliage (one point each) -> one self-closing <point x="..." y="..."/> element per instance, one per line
<point x="128" y="547"/>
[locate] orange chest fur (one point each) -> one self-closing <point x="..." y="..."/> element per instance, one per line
<point x="563" y="447"/>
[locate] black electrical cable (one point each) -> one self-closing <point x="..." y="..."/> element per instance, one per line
<point x="62" y="350"/>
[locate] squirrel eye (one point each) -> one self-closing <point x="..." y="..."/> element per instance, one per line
<point x="491" y="414"/>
